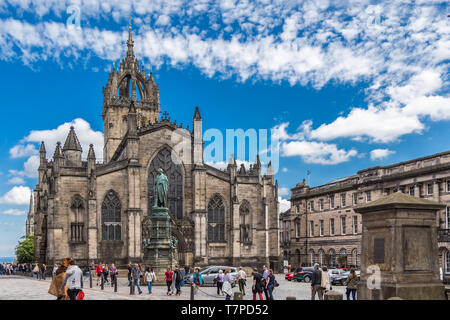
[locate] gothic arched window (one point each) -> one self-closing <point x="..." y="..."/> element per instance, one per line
<point x="173" y="172"/>
<point x="332" y="257"/>
<point x="111" y="217"/>
<point x="321" y="257"/>
<point x="77" y="219"/>
<point x="216" y="219"/>
<point x="245" y="222"/>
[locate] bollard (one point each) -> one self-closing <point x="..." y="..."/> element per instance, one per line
<point x="238" y="296"/>
<point x="192" y="291"/>
<point x="291" y="298"/>
<point x="131" y="287"/>
<point x="102" y="283"/>
<point x="115" y="284"/>
<point x="90" y="279"/>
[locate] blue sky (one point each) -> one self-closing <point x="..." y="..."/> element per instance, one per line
<point x="344" y="87"/>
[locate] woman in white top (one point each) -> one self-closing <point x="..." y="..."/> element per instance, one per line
<point x="150" y="276"/>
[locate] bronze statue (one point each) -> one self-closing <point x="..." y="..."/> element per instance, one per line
<point x="160" y="189"/>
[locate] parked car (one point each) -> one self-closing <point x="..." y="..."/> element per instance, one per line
<point x="289" y="276"/>
<point x="209" y="274"/>
<point x="303" y="274"/>
<point x="337" y="276"/>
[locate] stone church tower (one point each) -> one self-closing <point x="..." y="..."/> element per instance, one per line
<point x="100" y="211"/>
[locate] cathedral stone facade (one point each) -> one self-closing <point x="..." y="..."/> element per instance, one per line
<point x="99" y="212"/>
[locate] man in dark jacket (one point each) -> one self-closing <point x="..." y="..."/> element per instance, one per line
<point x="316" y="279"/>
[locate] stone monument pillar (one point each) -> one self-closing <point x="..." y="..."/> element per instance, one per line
<point x="159" y="245"/>
<point x="400" y="238"/>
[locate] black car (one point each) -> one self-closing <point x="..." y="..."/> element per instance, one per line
<point x="303" y="274"/>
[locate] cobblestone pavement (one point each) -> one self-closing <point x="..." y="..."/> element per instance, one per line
<point x="26" y="288"/>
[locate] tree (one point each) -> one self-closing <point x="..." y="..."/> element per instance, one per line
<point x="25" y="249"/>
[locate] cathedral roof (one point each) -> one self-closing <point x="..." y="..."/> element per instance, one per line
<point x="72" y="142"/>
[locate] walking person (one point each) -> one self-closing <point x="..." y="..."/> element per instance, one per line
<point x="150" y="276"/>
<point x="99" y="272"/>
<point x="352" y="282"/>
<point x="74" y="280"/>
<point x="219" y="282"/>
<point x="316" y="279"/>
<point x="43" y="269"/>
<point x="177" y="280"/>
<point x="136" y="274"/>
<point x="169" y="277"/>
<point x="113" y="274"/>
<point x="257" y="287"/>
<point x="270" y="285"/>
<point x="227" y="284"/>
<point x="58" y="279"/>
<point x="36" y="271"/>
<point x="105" y="273"/>
<point x="197" y="280"/>
<point x="242" y="279"/>
<point x="130" y="270"/>
<point x="265" y="278"/>
<point x="325" y="282"/>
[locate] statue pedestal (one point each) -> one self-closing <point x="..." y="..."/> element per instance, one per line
<point x="400" y="238"/>
<point x="157" y="249"/>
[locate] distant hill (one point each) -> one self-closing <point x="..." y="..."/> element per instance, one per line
<point x="6" y="259"/>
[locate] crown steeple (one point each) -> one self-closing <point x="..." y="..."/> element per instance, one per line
<point x="130" y="43"/>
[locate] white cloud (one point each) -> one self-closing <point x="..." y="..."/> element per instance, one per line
<point x="379" y="154"/>
<point x="14" y="212"/>
<point x="18" y="195"/>
<point x="20" y="151"/>
<point x="400" y="49"/>
<point x="285" y="170"/>
<point x="284" y="191"/>
<point x="83" y="130"/>
<point x="284" y="204"/>
<point x="16" y="180"/>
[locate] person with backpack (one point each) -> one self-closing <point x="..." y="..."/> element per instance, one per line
<point x="219" y="282"/>
<point x="197" y="280"/>
<point x="351" y="282"/>
<point x="36" y="271"/>
<point x="99" y="272"/>
<point x="169" y="277"/>
<point x="150" y="276"/>
<point x="136" y="274"/>
<point x="241" y="279"/>
<point x="270" y="284"/>
<point x="257" y="287"/>
<point x="177" y="280"/>
<point x="74" y="280"/>
<point x="43" y="269"/>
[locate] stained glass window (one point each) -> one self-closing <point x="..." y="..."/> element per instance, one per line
<point x="216" y="219"/>
<point x="111" y="217"/>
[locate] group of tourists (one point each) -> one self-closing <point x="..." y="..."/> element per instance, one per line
<point x="36" y="270"/>
<point x="263" y="282"/>
<point x="102" y="272"/>
<point x="175" y="280"/>
<point x="321" y="283"/>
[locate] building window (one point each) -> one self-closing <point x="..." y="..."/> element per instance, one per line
<point x="216" y="219"/>
<point x="332" y="202"/>
<point x="447" y="262"/>
<point x="297" y="229"/>
<point x="355" y="199"/>
<point x="355" y="258"/>
<point x="245" y="223"/>
<point x="312" y="257"/>
<point x="173" y="172"/>
<point x="311" y="228"/>
<point x="448" y="185"/>
<point x="411" y="191"/>
<point x="447" y="218"/>
<point x="331" y="227"/>
<point x="332" y="257"/>
<point x="343" y="200"/>
<point x="311" y="206"/>
<point x="77" y="219"/>
<point x="355" y="224"/>
<point x="343" y="225"/>
<point x="111" y="217"/>
<point x="322" y="257"/>
<point x="429" y="188"/>
<point x="321" y="228"/>
<point x="321" y="204"/>
<point x="343" y="257"/>
<point x="297" y="208"/>
<point x="368" y="196"/>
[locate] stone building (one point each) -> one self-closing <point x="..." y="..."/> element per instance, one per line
<point x="100" y="211"/>
<point x="325" y="228"/>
